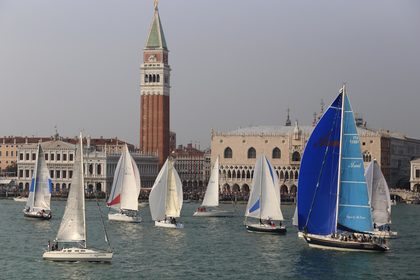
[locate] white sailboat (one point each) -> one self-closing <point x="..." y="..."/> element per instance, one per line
<point x="264" y="201"/>
<point x="166" y="197"/>
<point x="125" y="190"/>
<point x="39" y="200"/>
<point x="211" y="197"/>
<point x="380" y="200"/>
<point x="73" y="225"/>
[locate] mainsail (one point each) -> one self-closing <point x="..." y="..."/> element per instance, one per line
<point x="41" y="186"/>
<point x="73" y="224"/>
<point x="264" y="200"/>
<point x="379" y="197"/>
<point x="354" y="210"/>
<point x="126" y="185"/>
<point x="211" y="198"/>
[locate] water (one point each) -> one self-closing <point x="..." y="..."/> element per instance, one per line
<point x="207" y="248"/>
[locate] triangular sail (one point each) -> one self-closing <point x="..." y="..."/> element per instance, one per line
<point x="264" y="201"/>
<point x="73" y="224"/>
<point x="157" y="197"/>
<point x="174" y="195"/>
<point x="379" y="197"/>
<point x="211" y="198"/>
<point x="354" y="209"/>
<point x="41" y="186"/>
<point x="126" y="184"/>
<point x="295" y="217"/>
<point x="317" y="193"/>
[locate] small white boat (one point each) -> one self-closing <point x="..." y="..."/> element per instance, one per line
<point x="380" y="201"/>
<point x="78" y="254"/>
<point x="39" y="199"/>
<point x="210" y="202"/>
<point x="125" y="190"/>
<point x="20" y="199"/>
<point x="166" y="197"/>
<point x="264" y="200"/>
<point x="73" y="225"/>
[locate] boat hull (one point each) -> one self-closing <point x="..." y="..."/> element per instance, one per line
<point x="38" y="215"/>
<point x="214" y="213"/>
<point x="262" y="228"/>
<point x="385" y="234"/>
<point x="325" y="242"/>
<point x="120" y="217"/>
<point x="167" y="224"/>
<point x="78" y="255"/>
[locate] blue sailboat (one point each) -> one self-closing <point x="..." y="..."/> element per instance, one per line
<point x="333" y="203"/>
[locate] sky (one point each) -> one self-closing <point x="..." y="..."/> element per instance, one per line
<point x="75" y="65"/>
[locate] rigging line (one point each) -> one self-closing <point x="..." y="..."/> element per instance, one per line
<point x="103" y="224"/>
<point x="320" y="172"/>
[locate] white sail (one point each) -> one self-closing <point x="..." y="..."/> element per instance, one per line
<point x="157" y="197"/>
<point x="166" y="196"/>
<point x="174" y="195"/>
<point x="73" y="224"/>
<point x="211" y="198"/>
<point x="126" y="185"/>
<point x="264" y="201"/>
<point x="40" y="192"/>
<point x="295" y="217"/>
<point x="379" y="197"/>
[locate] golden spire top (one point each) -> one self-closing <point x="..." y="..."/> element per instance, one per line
<point x="156" y="2"/>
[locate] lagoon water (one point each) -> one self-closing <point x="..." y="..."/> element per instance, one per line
<point x="207" y="248"/>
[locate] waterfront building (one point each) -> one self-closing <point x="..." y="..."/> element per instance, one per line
<point x="192" y="166"/>
<point x="155" y="88"/>
<point x="284" y="145"/>
<point x="415" y="175"/>
<point x="99" y="165"/>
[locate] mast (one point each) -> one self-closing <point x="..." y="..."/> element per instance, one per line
<point x="262" y="168"/>
<point x="343" y="93"/>
<point x="82" y="181"/>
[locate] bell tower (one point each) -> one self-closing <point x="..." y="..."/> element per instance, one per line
<point x="155" y="87"/>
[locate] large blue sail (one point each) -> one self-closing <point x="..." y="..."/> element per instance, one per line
<point x="354" y="210"/>
<point x="318" y="178"/>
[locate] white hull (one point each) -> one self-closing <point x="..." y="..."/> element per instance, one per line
<point x="300" y="234"/>
<point x="214" y="213"/>
<point x="78" y="255"/>
<point x="120" y="217"/>
<point x="385" y="234"/>
<point x="20" y="199"/>
<point x="167" y="224"/>
<point x="37" y="214"/>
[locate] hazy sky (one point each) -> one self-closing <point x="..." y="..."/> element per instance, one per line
<point x="76" y="64"/>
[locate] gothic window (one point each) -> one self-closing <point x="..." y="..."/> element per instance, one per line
<point x="367" y="157"/>
<point x="99" y="169"/>
<point x="228" y="152"/>
<point x="276" y="153"/>
<point x="146" y="78"/>
<point x="158" y="78"/>
<point x="154" y="78"/>
<point x="417" y="173"/>
<point x="252" y="153"/>
<point x="295" y="156"/>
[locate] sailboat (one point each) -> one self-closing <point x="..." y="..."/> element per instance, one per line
<point x="125" y="190"/>
<point x="264" y="201"/>
<point x="39" y="199"/>
<point x="72" y="229"/>
<point x="333" y="203"/>
<point x="211" y="197"/>
<point x="166" y="197"/>
<point x="380" y="200"/>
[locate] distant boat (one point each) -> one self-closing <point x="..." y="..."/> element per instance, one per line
<point x="73" y="225"/>
<point x="333" y="203"/>
<point x="380" y="200"/>
<point x="263" y="207"/>
<point x="39" y="201"/>
<point x="125" y="190"/>
<point x="211" y="197"/>
<point x="166" y="197"/>
<point x="20" y="199"/>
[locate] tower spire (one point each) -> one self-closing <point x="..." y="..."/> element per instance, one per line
<point x="288" y="122"/>
<point x="156" y="38"/>
<point x="156" y="3"/>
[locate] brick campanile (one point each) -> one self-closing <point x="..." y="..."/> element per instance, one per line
<point x="155" y="86"/>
